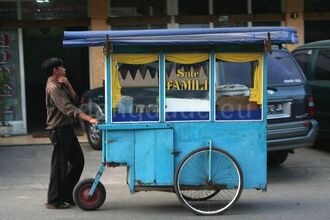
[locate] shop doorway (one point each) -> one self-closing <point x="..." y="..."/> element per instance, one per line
<point x="40" y="44"/>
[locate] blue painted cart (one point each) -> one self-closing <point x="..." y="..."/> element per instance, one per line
<point x="185" y="112"/>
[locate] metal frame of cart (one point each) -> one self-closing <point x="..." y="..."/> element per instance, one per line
<point x="185" y="112"/>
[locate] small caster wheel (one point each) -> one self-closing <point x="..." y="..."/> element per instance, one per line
<point x="80" y="195"/>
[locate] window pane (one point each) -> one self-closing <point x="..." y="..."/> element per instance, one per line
<point x="8" y="10"/>
<point x="197" y="7"/>
<point x="187" y="91"/>
<point x="322" y="67"/>
<point x="265" y="24"/>
<point x="194" y="25"/>
<point x="138" y="27"/>
<point x="316" y="30"/>
<point x="302" y="57"/>
<point x="269" y="6"/>
<point x="226" y="7"/>
<point x="233" y="83"/>
<point x="282" y="69"/>
<point x="120" y="8"/>
<point x="232" y="73"/>
<point x="139" y="93"/>
<point x="227" y="24"/>
<point x="317" y="5"/>
<point x="54" y="9"/>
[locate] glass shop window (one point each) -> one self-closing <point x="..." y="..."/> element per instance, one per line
<point x="316" y="5"/>
<point x="194" y="26"/>
<point x="266" y="24"/>
<point x="57" y="9"/>
<point x="316" y="30"/>
<point x="8" y="10"/>
<point x="138" y="27"/>
<point x="188" y="7"/>
<point x="226" y="7"/>
<point x="187" y="89"/>
<point x="234" y="84"/>
<point x="120" y="8"/>
<point x="269" y="6"/>
<point x="136" y="98"/>
<point x="229" y="24"/>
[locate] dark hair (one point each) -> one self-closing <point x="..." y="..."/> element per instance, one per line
<point x="48" y="65"/>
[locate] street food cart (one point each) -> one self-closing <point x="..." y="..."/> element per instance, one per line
<point x="185" y="111"/>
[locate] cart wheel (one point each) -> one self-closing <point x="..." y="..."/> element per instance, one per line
<point x="206" y="194"/>
<point x="80" y="195"/>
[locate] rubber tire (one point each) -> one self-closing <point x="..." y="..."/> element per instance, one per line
<point x="79" y="195"/>
<point x="202" y="199"/>
<point x="96" y="145"/>
<point x="176" y="188"/>
<point x="276" y="158"/>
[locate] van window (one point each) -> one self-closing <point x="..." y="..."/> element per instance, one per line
<point x="282" y="70"/>
<point x="322" y="66"/>
<point x="302" y="58"/>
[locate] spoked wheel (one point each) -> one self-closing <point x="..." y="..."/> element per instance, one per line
<point x="208" y="182"/>
<point x="80" y="195"/>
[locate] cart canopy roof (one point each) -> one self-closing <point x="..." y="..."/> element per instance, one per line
<point x="196" y="36"/>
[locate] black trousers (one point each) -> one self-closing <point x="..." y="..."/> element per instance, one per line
<point x="66" y="165"/>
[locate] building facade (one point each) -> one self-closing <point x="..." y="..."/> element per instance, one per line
<point x="32" y="30"/>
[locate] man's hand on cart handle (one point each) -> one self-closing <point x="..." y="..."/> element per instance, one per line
<point x="88" y="118"/>
<point x="94" y="121"/>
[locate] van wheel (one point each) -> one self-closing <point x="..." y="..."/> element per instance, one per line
<point x="94" y="136"/>
<point x="276" y="158"/>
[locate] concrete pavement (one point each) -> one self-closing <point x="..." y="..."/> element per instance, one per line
<point x="31" y="139"/>
<point x="297" y="190"/>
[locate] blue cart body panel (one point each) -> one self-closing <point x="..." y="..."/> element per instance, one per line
<point x="148" y="153"/>
<point x="152" y="162"/>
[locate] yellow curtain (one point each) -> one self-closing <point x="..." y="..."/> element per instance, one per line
<point x="187" y="58"/>
<point x="256" y="91"/>
<point x="137" y="59"/>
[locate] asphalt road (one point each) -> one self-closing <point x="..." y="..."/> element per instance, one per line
<point x="299" y="189"/>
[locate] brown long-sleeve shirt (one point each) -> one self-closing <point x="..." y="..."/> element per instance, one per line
<point x="60" y="105"/>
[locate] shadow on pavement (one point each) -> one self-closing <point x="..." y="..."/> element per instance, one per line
<point x="323" y="144"/>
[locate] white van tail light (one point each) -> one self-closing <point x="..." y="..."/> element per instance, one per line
<point x="311" y="107"/>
